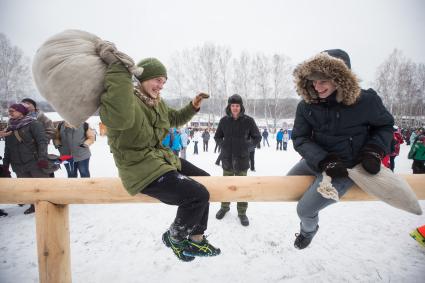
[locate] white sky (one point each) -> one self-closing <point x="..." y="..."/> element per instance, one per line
<point x="367" y="30"/>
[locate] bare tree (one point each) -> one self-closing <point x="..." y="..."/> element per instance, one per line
<point x="177" y="83"/>
<point x="242" y="78"/>
<point x="262" y="68"/>
<point x="224" y="55"/>
<point x="15" y="75"/>
<point x="282" y="87"/>
<point x="400" y="82"/>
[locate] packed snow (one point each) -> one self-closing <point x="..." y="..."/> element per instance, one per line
<point x="357" y="241"/>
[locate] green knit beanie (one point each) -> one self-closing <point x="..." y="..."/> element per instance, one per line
<point x="152" y="68"/>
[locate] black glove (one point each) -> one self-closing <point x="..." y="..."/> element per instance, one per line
<point x="370" y="157"/>
<point x="84" y="145"/>
<point x="333" y="166"/>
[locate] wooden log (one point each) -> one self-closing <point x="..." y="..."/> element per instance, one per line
<point x="110" y="190"/>
<point x="53" y="245"/>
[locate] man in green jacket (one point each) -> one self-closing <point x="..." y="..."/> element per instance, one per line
<point x="137" y="120"/>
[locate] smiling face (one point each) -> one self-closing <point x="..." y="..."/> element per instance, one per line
<point x="13" y="114"/>
<point x="153" y="87"/>
<point x="235" y="109"/>
<point x="324" y="88"/>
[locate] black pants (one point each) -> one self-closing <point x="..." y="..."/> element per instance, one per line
<point x="205" y="145"/>
<point x="195" y="148"/>
<point x="251" y="160"/>
<point x="279" y="145"/>
<point x="191" y="197"/>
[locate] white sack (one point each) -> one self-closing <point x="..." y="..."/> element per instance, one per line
<point x="69" y="74"/>
<point x="387" y="187"/>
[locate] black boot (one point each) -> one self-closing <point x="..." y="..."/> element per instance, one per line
<point x="3" y="213"/>
<point x="220" y="214"/>
<point x="302" y="242"/>
<point x="30" y="210"/>
<point x="244" y="220"/>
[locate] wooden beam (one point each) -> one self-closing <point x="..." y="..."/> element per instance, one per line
<point x="110" y="190"/>
<point x="52" y="228"/>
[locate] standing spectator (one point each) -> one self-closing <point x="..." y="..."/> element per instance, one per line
<point x="235" y="133"/>
<point x="185" y="141"/>
<point x="169" y="138"/>
<point x="177" y="143"/>
<point x="205" y="139"/>
<point x="279" y="140"/>
<point x="26" y="149"/>
<point x="39" y="115"/>
<point x="75" y="142"/>
<point x="395" y="146"/>
<point x="337" y="125"/>
<point x="4" y="173"/>
<point x="251" y="150"/>
<point x="265" y="136"/>
<point x="196" y="138"/>
<point x="285" y="139"/>
<point x="417" y="153"/>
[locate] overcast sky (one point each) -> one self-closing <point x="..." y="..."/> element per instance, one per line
<point x="368" y="30"/>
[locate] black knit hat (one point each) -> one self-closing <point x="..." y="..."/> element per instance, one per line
<point x="235" y="99"/>
<point x="340" y="54"/>
<point x="152" y="68"/>
<point x="29" y="100"/>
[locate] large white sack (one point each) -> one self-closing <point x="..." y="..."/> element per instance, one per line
<point x="387" y="187"/>
<point x="69" y="74"/>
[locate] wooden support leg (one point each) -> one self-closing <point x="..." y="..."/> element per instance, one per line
<point x="52" y="227"/>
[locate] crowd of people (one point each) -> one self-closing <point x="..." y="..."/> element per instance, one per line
<point x="27" y="136"/>
<point x="337" y="126"/>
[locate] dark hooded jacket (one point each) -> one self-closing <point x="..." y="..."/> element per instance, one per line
<point x="344" y="122"/>
<point x="235" y="136"/>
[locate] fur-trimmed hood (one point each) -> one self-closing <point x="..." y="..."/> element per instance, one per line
<point x="332" y="68"/>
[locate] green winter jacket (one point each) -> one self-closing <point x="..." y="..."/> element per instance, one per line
<point x="135" y="131"/>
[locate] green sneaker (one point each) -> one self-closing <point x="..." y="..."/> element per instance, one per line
<point x="415" y="234"/>
<point x="203" y="248"/>
<point x="177" y="248"/>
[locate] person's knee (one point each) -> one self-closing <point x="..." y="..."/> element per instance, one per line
<point x="303" y="210"/>
<point x="203" y="195"/>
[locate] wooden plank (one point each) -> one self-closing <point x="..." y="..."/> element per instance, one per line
<point x="53" y="245"/>
<point x="110" y="190"/>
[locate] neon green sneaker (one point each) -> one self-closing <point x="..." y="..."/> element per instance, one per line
<point x="177" y="248"/>
<point x="203" y="248"/>
<point x="415" y="234"/>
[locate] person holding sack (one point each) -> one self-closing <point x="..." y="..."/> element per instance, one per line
<point x="337" y="126"/>
<point x="137" y="120"/>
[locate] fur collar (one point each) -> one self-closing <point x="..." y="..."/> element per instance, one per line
<point x="347" y="83"/>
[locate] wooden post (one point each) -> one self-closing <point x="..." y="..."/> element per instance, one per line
<point x="52" y="227"/>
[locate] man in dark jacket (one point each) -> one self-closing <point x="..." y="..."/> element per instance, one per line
<point x="337" y="125"/>
<point x="26" y="147"/>
<point x="235" y="133"/>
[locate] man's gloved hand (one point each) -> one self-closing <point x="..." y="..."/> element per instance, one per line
<point x="370" y="157"/>
<point x="196" y="102"/>
<point x="106" y="51"/>
<point x="333" y="166"/>
<point x="42" y="164"/>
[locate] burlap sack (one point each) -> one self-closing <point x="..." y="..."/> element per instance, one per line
<point x="69" y="74"/>
<point x="69" y="71"/>
<point x="387" y="187"/>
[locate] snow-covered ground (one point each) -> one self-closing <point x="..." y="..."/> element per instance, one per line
<point x="357" y="241"/>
